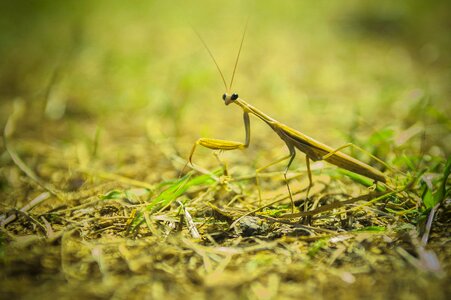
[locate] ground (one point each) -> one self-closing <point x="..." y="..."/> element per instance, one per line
<point x="101" y="103"/>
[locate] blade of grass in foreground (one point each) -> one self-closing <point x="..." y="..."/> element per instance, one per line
<point x="361" y="179"/>
<point x="433" y="199"/>
<point x="436" y="193"/>
<point x="169" y="195"/>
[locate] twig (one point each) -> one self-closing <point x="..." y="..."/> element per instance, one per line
<point x="325" y="208"/>
<point x="26" y="208"/>
<point x="263" y="207"/>
<point x="296" y="224"/>
<point x="118" y="178"/>
<point x="428" y="227"/>
<point x="189" y="222"/>
<point x="8" y="131"/>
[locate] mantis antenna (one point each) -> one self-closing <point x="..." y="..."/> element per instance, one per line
<point x="212" y="57"/>
<point x="228" y="88"/>
<point x="238" y="56"/>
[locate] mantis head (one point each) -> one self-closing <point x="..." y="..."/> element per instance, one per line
<point x="229" y="98"/>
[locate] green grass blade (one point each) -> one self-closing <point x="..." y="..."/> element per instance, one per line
<point x="432" y="197"/>
<point x="361" y="179"/>
<point x="170" y="194"/>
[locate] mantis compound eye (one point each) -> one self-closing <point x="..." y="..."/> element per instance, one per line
<point x="234" y="96"/>
<point x="224" y="97"/>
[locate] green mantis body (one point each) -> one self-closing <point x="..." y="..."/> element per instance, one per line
<point x="313" y="149"/>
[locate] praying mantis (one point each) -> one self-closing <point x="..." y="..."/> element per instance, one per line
<point x="294" y="139"/>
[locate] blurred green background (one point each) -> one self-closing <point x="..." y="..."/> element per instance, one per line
<point x="338" y="71"/>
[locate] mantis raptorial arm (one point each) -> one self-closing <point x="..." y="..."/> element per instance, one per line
<point x="217" y="144"/>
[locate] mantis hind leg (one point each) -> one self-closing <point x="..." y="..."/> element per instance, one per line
<point x="310" y="181"/>
<point x="292" y="156"/>
<point x="351" y="145"/>
<point x="257" y="177"/>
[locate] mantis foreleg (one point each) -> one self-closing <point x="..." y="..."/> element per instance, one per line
<point x="217" y="144"/>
